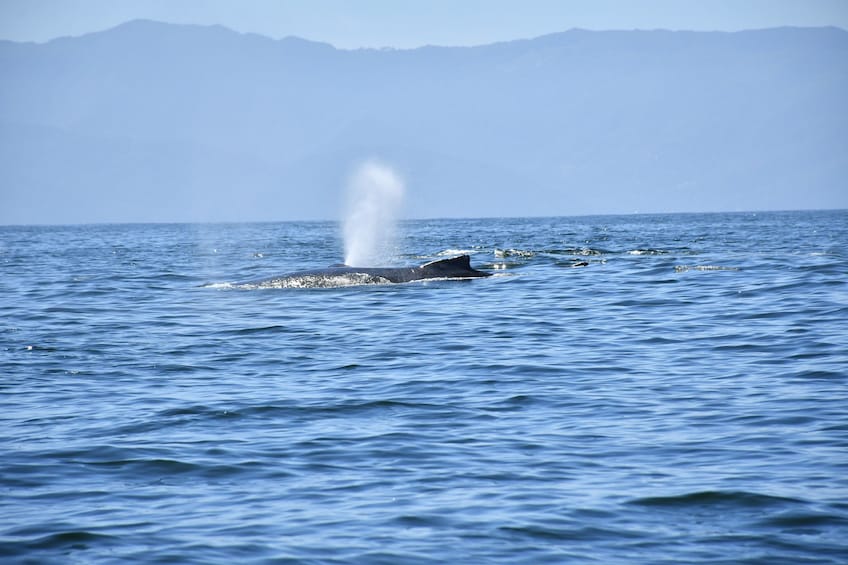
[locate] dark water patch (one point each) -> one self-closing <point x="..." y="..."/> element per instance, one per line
<point x="424" y="521"/>
<point x="353" y="408"/>
<point x="176" y="278"/>
<point x="200" y="415"/>
<point x="273" y="329"/>
<point x="808" y="523"/>
<point x="514" y="403"/>
<point x="145" y="467"/>
<point x="182" y="369"/>
<point x="64" y="541"/>
<point x="642" y="303"/>
<point x="172" y="420"/>
<point x="741" y="499"/>
<point x="573" y="533"/>
<point x="196" y="410"/>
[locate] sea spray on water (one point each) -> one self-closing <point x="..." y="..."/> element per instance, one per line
<point x="374" y="198"/>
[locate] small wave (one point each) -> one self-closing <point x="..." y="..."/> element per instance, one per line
<point x="805" y="520"/>
<point x="148" y="466"/>
<point x="195" y="410"/>
<point x="71" y="540"/>
<point x="344" y="408"/>
<point x="257" y="330"/>
<point x="715" y="498"/>
<point x="570" y="531"/>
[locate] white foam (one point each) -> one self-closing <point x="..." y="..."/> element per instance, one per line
<point x="224" y="285"/>
<point x="318" y="281"/>
<point x="684" y="268"/>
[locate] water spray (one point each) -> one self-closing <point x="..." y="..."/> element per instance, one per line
<point x="374" y="198"/>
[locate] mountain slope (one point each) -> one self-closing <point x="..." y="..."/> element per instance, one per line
<point x="152" y="121"/>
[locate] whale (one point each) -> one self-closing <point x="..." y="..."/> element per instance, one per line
<point x="345" y="275"/>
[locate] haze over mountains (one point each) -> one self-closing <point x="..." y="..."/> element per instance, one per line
<point x="160" y="122"/>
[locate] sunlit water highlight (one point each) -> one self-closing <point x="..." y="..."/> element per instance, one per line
<point x="678" y="398"/>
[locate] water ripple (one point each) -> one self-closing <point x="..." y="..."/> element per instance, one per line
<point x="678" y="399"/>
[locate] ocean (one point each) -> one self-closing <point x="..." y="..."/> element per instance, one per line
<point x="626" y="389"/>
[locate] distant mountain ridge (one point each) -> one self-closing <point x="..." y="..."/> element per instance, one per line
<point x="162" y="122"/>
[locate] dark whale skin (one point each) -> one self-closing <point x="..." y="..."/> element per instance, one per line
<point x="453" y="268"/>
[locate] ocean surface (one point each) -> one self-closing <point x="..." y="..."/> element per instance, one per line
<point x="626" y="389"/>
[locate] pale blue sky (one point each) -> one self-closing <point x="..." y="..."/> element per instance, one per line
<point x="411" y="23"/>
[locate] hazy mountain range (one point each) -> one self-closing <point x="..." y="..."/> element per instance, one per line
<point x="162" y="122"/>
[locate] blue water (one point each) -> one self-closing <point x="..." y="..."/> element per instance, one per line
<point x="682" y="397"/>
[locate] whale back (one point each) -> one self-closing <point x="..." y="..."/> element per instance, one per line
<point x="343" y="275"/>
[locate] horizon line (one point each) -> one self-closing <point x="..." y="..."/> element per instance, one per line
<point x="402" y="220"/>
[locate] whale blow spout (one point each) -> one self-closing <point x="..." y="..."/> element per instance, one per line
<point x="374" y="198"/>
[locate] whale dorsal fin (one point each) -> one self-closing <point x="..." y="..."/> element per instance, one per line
<point x="454" y="267"/>
<point x="462" y="262"/>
